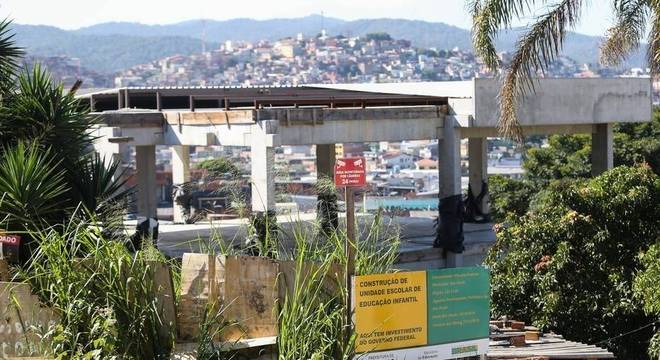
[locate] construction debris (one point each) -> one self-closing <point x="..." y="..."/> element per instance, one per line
<point x="514" y="340"/>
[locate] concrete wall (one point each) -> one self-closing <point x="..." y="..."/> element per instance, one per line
<point x="570" y="101"/>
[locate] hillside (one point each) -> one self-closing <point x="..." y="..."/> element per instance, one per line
<point x="103" y="53"/>
<point x="113" y="46"/>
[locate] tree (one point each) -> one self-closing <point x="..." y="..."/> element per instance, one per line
<point x="542" y="42"/>
<point x="378" y="36"/>
<point x="569" y="263"/>
<point x="48" y="169"/>
<point x="218" y="167"/>
<point x="647" y="288"/>
<point x="568" y="157"/>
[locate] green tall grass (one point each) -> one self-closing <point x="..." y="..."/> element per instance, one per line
<point x="105" y="296"/>
<point x="313" y="322"/>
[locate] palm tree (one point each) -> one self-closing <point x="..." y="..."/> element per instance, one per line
<point x="48" y="170"/>
<point x="543" y="40"/>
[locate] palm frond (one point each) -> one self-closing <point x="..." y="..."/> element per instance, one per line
<point x="488" y="18"/>
<point x="43" y="111"/>
<point x="10" y="55"/>
<point x="32" y="185"/>
<point x="653" y="50"/>
<point x="626" y="34"/>
<point x="534" y="51"/>
<point x="98" y="183"/>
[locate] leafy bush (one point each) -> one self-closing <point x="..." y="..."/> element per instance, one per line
<point x="509" y="196"/>
<point x="636" y="143"/>
<point x="568" y="265"/>
<point x="219" y="167"/>
<point x="647" y="288"/>
<point x="567" y="156"/>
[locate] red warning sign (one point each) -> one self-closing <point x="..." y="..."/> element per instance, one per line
<point x="13" y="240"/>
<point x="351" y="172"/>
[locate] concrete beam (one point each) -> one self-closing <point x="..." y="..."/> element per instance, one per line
<point x="482" y="132"/>
<point x="570" y="101"/>
<point x="347" y="131"/>
<point x="180" y="175"/>
<point x="145" y="166"/>
<point x="602" y="149"/>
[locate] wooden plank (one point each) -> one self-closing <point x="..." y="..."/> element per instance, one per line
<point x="230" y="345"/>
<point x="202" y="117"/>
<point x="164" y="287"/>
<point x="250" y="294"/>
<point x="22" y="318"/>
<point x="4" y="270"/>
<point x="200" y="274"/>
<point x="550" y="349"/>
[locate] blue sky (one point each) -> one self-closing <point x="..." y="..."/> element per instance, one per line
<point x="72" y="14"/>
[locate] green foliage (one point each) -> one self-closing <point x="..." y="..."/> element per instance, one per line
<point x="312" y="319"/>
<point x="378" y="36"/>
<point x="41" y="111"/>
<point x="509" y="196"/>
<point x="32" y="188"/>
<point x="647" y="288"/>
<point x="212" y="325"/>
<point x="636" y="143"/>
<point x="568" y="156"/>
<point x="45" y="139"/>
<point x="10" y="55"/>
<point x="106" y="297"/>
<point x="218" y="167"/>
<point x="568" y="265"/>
<point x="327" y="207"/>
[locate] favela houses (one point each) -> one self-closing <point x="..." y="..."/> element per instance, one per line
<point x="330" y="180"/>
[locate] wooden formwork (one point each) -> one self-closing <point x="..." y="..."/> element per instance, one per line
<point x="248" y="287"/>
<point x="22" y="319"/>
<point x="245" y="286"/>
<point x="4" y="270"/>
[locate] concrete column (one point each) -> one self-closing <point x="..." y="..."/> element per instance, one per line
<point x="602" y="153"/>
<point x="450" y="231"/>
<point x="478" y="158"/>
<point x="145" y="166"/>
<point x="263" y="138"/>
<point x="180" y="175"/>
<point x="325" y="160"/>
<point x="449" y="159"/>
<point x="326" y="205"/>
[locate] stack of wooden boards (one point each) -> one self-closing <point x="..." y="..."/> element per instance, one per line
<point x="510" y="339"/>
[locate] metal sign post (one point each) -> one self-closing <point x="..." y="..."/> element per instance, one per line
<point x="350" y="173"/>
<point x="350" y="243"/>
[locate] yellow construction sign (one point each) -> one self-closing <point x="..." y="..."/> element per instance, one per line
<point x="392" y="310"/>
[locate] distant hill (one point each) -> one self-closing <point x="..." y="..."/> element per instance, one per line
<point x="118" y="45"/>
<point x="103" y="53"/>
